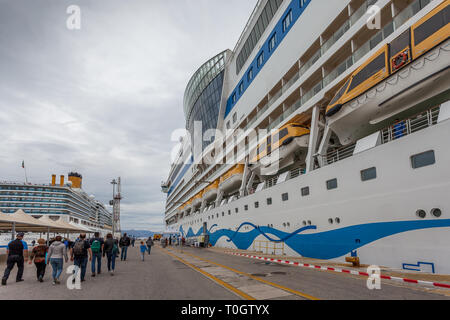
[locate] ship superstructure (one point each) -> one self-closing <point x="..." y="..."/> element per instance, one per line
<point x="66" y="201"/>
<point x="323" y="134"/>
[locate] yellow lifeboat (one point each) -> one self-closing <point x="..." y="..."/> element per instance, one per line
<point x="197" y="200"/>
<point x="232" y="180"/>
<point x="210" y="193"/>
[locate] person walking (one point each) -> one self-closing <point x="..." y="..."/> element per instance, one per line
<point x="39" y="255"/>
<point x="149" y="244"/>
<point x="133" y="240"/>
<point x="124" y="243"/>
<point x="97" y="245"/>
<point x="79" y="255"/>
<point x="57" y="253"/>
<point x="143" y="250"/>
<point x="110" y="249"/>
<point x="17" y="252"/>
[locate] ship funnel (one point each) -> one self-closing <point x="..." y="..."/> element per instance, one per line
<point x="53" y="179"/>
<point x="61" y="181"/>
<point x="76" y="179"/>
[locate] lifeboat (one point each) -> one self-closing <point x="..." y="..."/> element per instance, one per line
<point x="232" y="180"/>
<point x="197" y="201"/>
<point x="398" y="81"/>
<point x="188" y="207"/>
<point x="281" y="148"/>
<point x="210" y="193"/>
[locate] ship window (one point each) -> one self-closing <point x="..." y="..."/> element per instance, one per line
<point x="371" y="69"/>
<point x="229" y="212"/>
<point x="423" y="160"/>
<point x="429" y="27"/>
<point x="400" y="43"/>
<point x="332" y="184"/>
<point x="234" y="98"/>
<point x="256" y="205"/>
<point x="236" y="210"/>
<point x="305" y="191"/>
<point x="246" y="207"/>
<point x="260" y="59"/>
<point x="340" y="93"/>
<point x="269" y="201"/>
<point x="287" y="21"/>
<point x="285" y="196"/>
<point x="272" y="42"/>
<point x="234" y="118"/>
<point x="250" y="75"/>
<point x="280" y="135"/>
<point x="369" y="174"/>
<point x="241" y="87"/>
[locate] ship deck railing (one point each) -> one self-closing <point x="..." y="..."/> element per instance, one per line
<point x="397" y="131"/>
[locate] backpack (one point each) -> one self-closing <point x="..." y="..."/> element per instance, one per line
<point x="96" y="246"/>
<point x="78" y="248"/>
<point x="115" y="248"/>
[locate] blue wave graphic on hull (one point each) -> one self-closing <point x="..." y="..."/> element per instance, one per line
<point x="323" y="245"/>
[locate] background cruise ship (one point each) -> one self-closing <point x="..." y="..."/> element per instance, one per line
<point x="333" y="142"/>
<point x="64" y="201"/>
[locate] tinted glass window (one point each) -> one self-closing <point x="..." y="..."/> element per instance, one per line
<point x="372" y="68"/>
<point x="269" y="201"/>
<point x="332" y="184"/>
<point x="400" y="43"/>
<point x="285" y="196"/>
<point x="256" y="205"/>
<point x="429" y="27"/>
<point x="340" y="93"/>
<point x="424" y="159"/>
<point x="305" y="191"/>
<point x="369" y="174"/>
<point x="283" y="133"/>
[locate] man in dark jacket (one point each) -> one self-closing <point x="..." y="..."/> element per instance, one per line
<point x="124" y="243"/>
<point x="17" y="252"/>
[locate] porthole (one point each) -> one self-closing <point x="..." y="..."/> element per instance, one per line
<point x="436" y="212"/>
<point x="338" y="220"/>
<point x="309" y="222"/>
<point x="330" y="221"/>
<point x="304" y="223"/>
<point x="421" y="214"/>
<point x="284" y="225"/>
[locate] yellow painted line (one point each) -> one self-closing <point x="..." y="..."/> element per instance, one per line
<point x="298" y="293"/>
<point x="222" y="283"/>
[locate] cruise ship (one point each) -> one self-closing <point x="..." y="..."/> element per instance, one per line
<point x="323" y="134"/>
<point x="65" y="201"/>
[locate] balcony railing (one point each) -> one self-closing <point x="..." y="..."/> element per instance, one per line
<point x="398" y="130"/>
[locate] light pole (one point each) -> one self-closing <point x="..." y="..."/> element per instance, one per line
<point x="113" y="203"/>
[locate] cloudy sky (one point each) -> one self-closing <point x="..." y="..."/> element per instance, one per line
<point x="104" y="100"/>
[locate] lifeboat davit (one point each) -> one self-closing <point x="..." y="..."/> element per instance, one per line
<point x="232" y="180"/>
<point x="210" y="193"/>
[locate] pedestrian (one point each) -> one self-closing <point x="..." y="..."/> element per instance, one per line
<point x="124" y="243"/>
<point x="33" y="243"/>
<point x="57" y="253"/>
<point x="97" y="245"/>
<point x="110" y="249"/>
<point x="133" y="240"/>
<point x="39" y="254"/>
<point x="79" y="255"/>
<point x="143" y="250"/>
<point x="17" y="252"/>
<point x="149" y="244"/>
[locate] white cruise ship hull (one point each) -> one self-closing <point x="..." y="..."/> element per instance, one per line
<point x="378" y="220"/>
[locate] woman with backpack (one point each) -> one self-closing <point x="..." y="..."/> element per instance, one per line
<point x="39" y="256"/>
<point x="56" y="253"/>
<point x="111" y="249"/>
